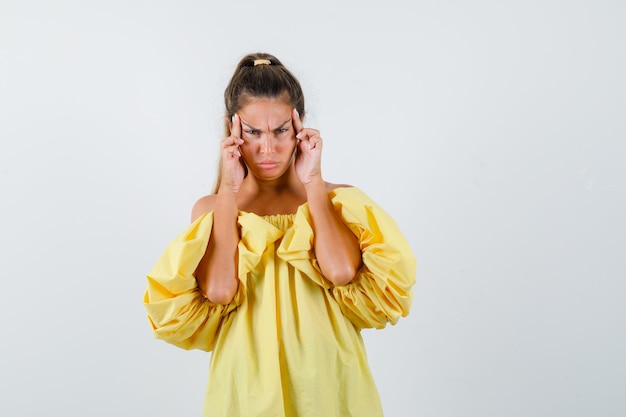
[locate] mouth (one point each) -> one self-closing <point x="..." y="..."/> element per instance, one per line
<point x="267" y="164"/>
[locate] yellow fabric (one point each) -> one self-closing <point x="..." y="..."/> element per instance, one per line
<point x="289" y="343"/>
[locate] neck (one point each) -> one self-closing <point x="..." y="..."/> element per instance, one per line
<point x="281" y="195"/>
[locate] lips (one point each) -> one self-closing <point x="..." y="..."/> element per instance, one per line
<point x="267" y="164"/>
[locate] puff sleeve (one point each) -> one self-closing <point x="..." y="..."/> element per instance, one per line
<point x="177" y="311"/>
<point x="381" y="292"/>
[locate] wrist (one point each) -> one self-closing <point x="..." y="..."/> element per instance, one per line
<point x="226" y="201"/>
<point x="226" y="190"/>
<point x="316" y="184"/>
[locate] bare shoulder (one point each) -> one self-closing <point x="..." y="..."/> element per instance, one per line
<point x="331" y="186"/>
<point x="203" y="205"/>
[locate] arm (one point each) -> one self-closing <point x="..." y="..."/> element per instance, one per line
<point x="382" y="292"/>
<point x="336" y="248"/>
<point x="177" y="311"/>
<point x="217" y="272"/>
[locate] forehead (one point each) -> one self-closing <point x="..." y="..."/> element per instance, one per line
<point x="263" y="111"/>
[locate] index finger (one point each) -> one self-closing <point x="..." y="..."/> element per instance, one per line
<point x="235" y="126"/>
<point x="297" y="122"/>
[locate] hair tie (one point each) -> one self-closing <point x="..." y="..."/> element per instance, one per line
<point x="262" y="62"/>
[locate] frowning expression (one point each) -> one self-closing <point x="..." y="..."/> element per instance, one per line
<point x="269" y="136"/>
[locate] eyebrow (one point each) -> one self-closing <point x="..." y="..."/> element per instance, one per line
<point x="254" y="128"/>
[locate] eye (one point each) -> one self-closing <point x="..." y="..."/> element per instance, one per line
<point x="252" y="132"/>
<point x="282" y="130"/>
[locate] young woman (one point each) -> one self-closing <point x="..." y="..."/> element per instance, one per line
<point x="280" y="270"/>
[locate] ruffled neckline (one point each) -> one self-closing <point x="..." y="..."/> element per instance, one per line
<point x="280" y="221"/>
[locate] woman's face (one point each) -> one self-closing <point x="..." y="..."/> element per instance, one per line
<point x="269" y="136"/>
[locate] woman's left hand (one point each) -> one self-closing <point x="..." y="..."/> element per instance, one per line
<point x="309" y="152"/>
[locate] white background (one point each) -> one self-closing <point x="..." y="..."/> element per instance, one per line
<point x="493" y="131"/>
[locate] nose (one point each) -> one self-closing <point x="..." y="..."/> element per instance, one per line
<point x="267" y="146"/>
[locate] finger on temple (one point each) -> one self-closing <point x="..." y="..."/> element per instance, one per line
<point x="235" y="126"/>
<point x="297" y="123"/>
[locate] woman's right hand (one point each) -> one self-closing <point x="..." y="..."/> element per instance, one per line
<point x="233" y="170"/>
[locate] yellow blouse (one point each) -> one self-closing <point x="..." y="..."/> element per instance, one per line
<point x="289" y="343"/>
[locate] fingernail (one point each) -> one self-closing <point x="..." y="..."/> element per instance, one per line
<point x="297" y="112"/>
<point x="299" y="135"/>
